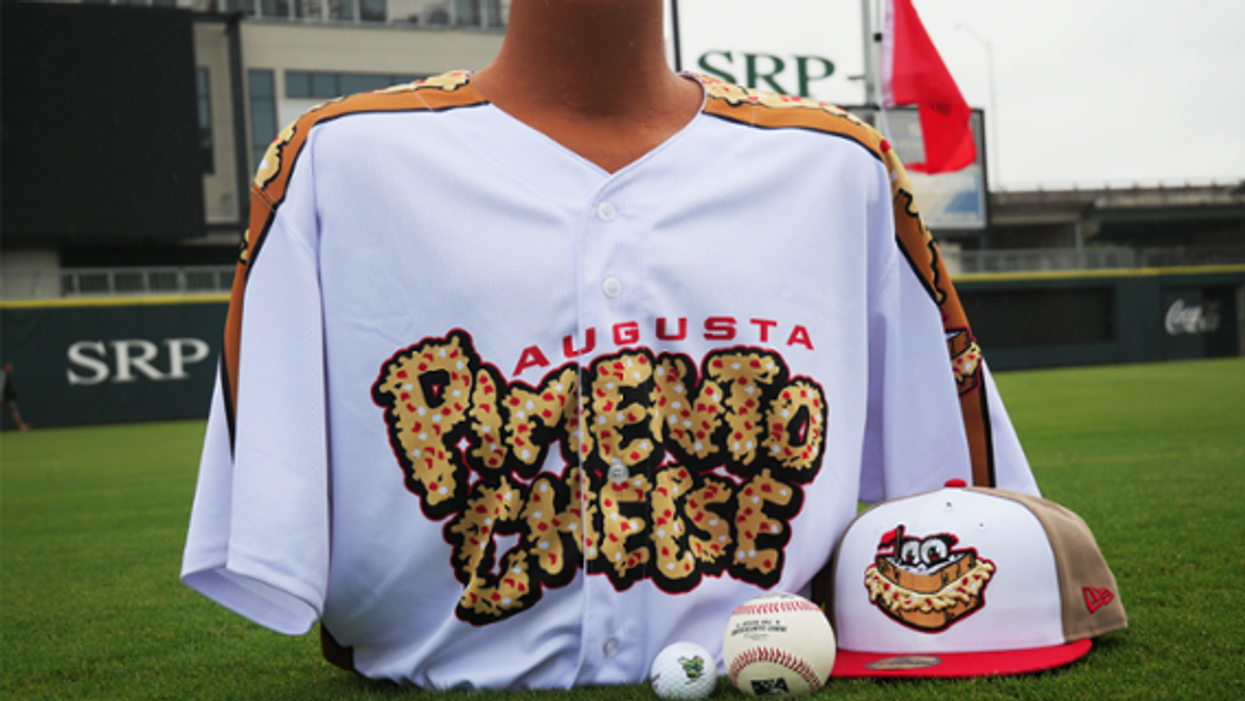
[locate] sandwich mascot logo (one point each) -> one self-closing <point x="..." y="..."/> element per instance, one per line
<point x="924" y="582"/>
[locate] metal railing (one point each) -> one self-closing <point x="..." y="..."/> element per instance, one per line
<point x="1031" y="260"/>
<point x="105" y="282"/>
<point x="470" y="14"/>
<point x="1047" y="259"/>
<point x="35" y="283"/>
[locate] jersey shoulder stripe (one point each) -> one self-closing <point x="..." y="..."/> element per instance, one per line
<point x="916" y="244"/>
<point x="439" y="93"/>
<point x="775" y="111"/>
<point x="918" y="247"/>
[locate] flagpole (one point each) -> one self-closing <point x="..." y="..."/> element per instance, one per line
<point x="872" y="97"/>
<point x="674" y="26"/>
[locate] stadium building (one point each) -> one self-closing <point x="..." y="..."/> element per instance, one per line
<point x="197" y="90"/>
<point x="131" y="129"/>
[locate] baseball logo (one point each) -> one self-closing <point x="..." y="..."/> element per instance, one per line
<point x="684" y="671"/>
<point x="778" y="645"/>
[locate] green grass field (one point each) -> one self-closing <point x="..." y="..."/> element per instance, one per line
<point x="1151" y="456"/>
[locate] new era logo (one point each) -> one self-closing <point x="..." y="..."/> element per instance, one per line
<point x="1096" y="598"/>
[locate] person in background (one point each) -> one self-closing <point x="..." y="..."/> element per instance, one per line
<point x="10" y="397"/>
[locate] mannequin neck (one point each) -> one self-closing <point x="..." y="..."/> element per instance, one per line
<point x="592" y="75"/>
<point x="594" y="57"/>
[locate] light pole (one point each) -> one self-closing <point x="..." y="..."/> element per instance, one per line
<point x="674" y="28"/>
<point x="873" y="94"/>
<point x="992" y="128"/>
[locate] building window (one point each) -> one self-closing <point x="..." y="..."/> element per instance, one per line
<point x="487" y="14"/>
<point x="374" y="10"/>
<point x="479" y="13"/>
<point x="328" y="10"/>
<point x="482" y="14"/>
<point x="204" y="92"/>
<point x="139" y="3"/>
<point x="319" y="85"/>
<point x="263" y="93"/>
<point x="342" y="10"/>
<point x="246" y="7"/>
<point x="308" y="9"/>
<point x="274" y="8"/>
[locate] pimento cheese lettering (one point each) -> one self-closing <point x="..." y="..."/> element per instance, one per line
<point x="671" y="470"/>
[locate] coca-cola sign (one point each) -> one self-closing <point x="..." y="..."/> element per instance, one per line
<point x="1184" y="318"/>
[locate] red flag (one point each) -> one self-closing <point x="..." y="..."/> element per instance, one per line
<point x="913" y="74"/>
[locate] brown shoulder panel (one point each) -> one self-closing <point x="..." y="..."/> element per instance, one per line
<point x="441" y="92"/>
<point x="773" y="111"/>
<point x="438" y="93"/>
<point x="921" y="251"/>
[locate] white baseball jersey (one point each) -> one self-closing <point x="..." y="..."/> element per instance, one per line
<point x="499" y="418"/>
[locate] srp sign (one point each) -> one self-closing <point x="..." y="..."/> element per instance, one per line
<point x="126" y="360"/>
<point x="768" y="72"/>
<point x="791" y="47"/>
<point x="113" y="361"/>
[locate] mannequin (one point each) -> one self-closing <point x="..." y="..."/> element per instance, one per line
<point x="591" y="75"/>
<point x="547" y="366"/>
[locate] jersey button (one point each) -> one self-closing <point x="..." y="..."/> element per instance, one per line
<point x="612" y="287"/>
<point x="606" y="212"/>
<point x="610" y="648"/>
<point x="618" y="472"/>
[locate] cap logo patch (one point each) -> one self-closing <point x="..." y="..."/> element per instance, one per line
<point x="924" y="582"/>
<point x="1096" y="598"/>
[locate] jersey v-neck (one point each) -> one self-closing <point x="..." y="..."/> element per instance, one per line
<point x="543" y="140"/>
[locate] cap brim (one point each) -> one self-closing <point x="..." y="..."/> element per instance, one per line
<point x="959" y="664"/>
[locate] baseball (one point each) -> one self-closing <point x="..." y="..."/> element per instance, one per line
<point x="684" y="671"/>
<point x="778" y="645"/>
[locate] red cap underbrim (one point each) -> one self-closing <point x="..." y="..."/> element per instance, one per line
<point x="957" y="664"/>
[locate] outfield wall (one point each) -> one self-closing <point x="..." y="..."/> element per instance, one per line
<point x="1028" y="320"/>
<point x="106" y="360"/>
<point x="138" y="359"/>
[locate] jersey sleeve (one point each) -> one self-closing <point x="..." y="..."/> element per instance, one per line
<point x="935" y="413"/>
<point x="258" y="541"/>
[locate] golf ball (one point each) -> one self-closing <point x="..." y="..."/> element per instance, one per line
<point x="684" y="671"/>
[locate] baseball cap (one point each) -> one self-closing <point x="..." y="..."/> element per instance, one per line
<point x="965" y="582"/>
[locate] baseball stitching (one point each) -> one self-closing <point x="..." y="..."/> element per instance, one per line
<point x="783" y="606"/>
<point x="779" y="657"/>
